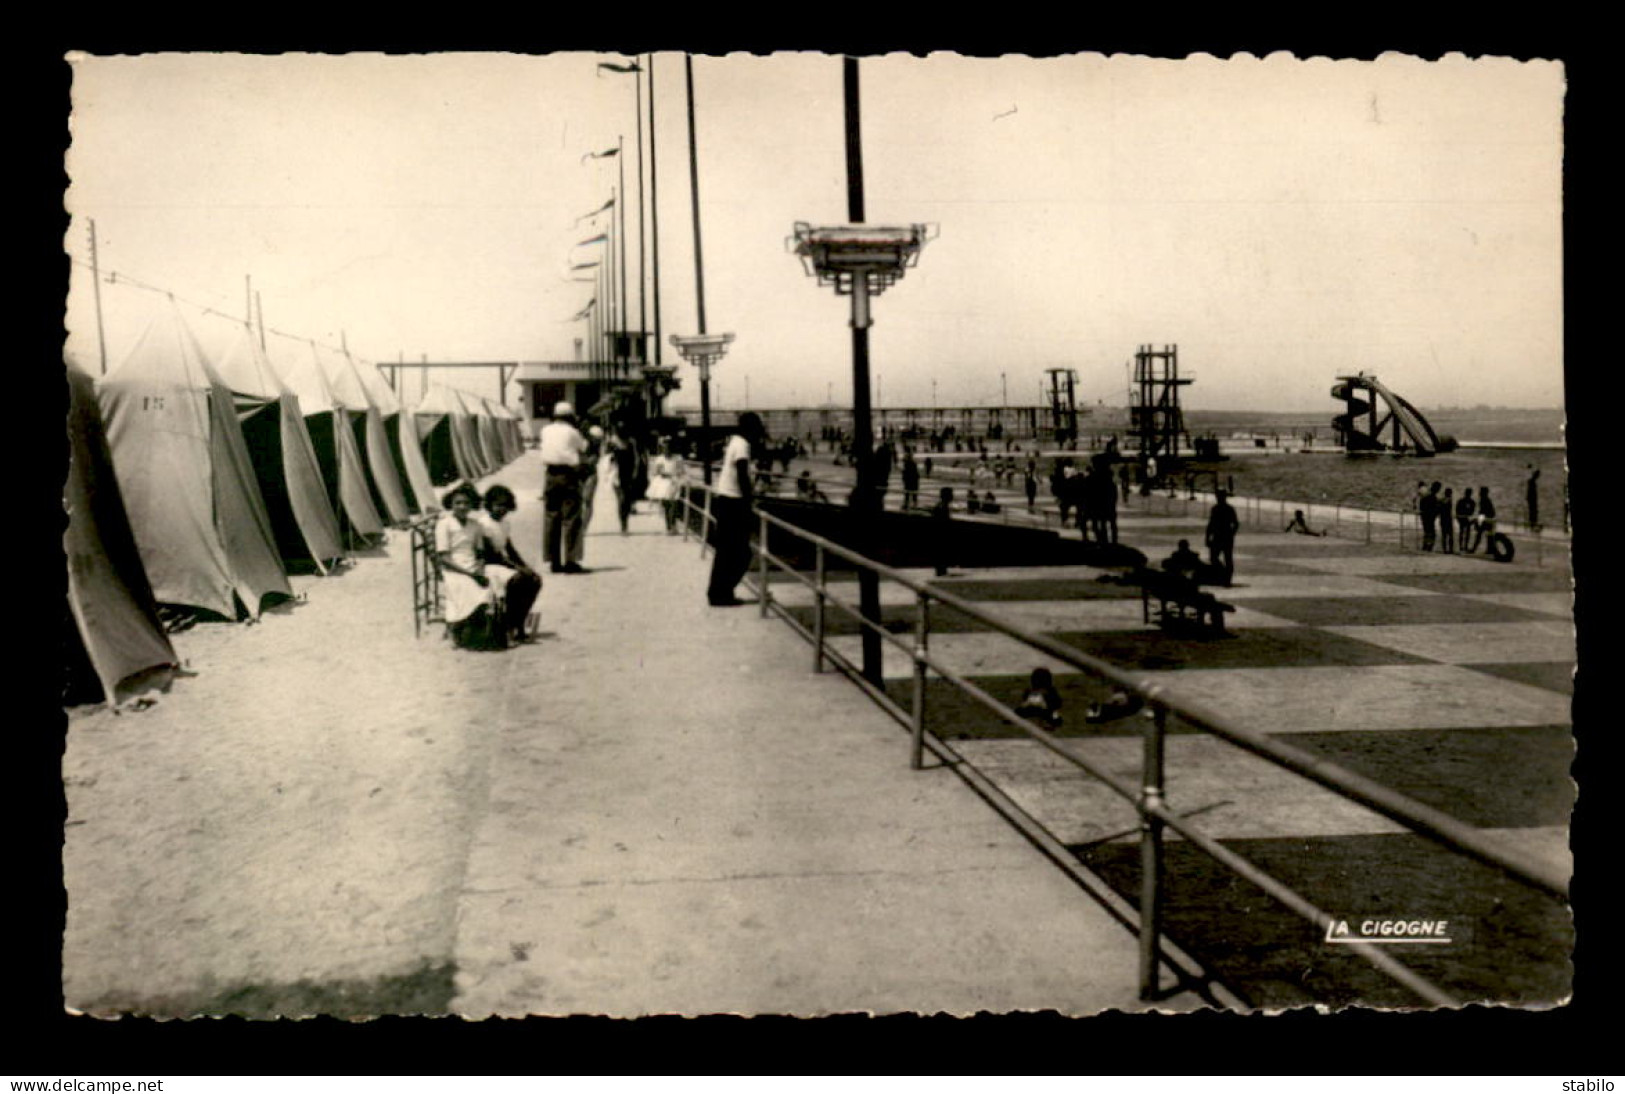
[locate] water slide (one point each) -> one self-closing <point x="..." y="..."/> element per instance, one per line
<point x="1363" y="434"/>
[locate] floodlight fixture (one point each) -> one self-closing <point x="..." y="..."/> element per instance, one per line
<point x="838" y="255"/>
<point x="702" y="349"/>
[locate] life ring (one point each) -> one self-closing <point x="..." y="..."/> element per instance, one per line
<point x="1500" y="547"/>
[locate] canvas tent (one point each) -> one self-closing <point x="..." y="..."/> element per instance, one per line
<point x="401" y="433"/>
<point x="188" y="484"/>
<point x="478" y="432"/>
<point x="508" y="429"/>
<point x="344" y="474"/>
<point x="490" y="433"/>
<point x="290" y="478"/>
<point x="516" y="429"/>
<point x="368" y="424"/>
<point x="115" y="647"/>
<point x="442" y="426"/>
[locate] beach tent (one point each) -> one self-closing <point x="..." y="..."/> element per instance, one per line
<point x="499" y="426"/>
<point x="479" y="432"/>
<point x="512" y="436"/>
<point x="370" y="441"/>
<point x="188" y="483"/>
<point x="444" y="440"/>
<point x="285" y="464"/>
<point x="114" y="645"/>
<point x="401" y="433"/>
<point x="496" y="446"/>
<point x="344" y="475"/>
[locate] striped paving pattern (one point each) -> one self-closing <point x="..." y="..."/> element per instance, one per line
<point x="1445" y="677"/>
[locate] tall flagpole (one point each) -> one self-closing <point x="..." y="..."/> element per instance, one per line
<point x="694" y="193"/>
<point x="699" y="268"/>
<point x="96" y="283"/>
<point x="643" y="323"/>
<point x="601" y="314"/>
<point x="620" y="209"/>
<point x="654" y="207"/>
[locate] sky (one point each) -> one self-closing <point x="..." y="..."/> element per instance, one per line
<point x="1282" y="221"/>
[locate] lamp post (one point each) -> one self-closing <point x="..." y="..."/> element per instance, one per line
<point x="703" y="350"/>
<point x="861" y="261"/>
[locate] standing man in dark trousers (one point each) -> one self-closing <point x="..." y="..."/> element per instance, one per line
<point x="1485" y="528"/>
<point x="562" y="445"/>
<point x="1466" y="509"/>
<point x="1429" y="508"/>
<point x="730" y="505"/>
<point x="1222" y="526"/>
<point x="911" y="479"/>
<point x="1531" y="497"/>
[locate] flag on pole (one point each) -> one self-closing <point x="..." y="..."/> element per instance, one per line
<point x="608" y="205"/>
<point x="583" y="313"/>
<point x="601" y="155"/>
<point x="632" y="67"/>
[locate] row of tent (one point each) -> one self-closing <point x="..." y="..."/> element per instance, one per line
<point x="203" y="482"/>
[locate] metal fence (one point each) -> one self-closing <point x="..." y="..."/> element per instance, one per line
<point x="1157" y="709"/>
<point x="1535" y="544"/>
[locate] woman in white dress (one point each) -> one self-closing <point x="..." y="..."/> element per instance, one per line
<point x="522" y="584"/>
<point x="473" y="590"/>
<point x="666" y="474"/>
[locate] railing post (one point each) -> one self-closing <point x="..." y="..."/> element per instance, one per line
<point x="417" y="592"/>
<point x="1368" y="525"/>
<point x="1151" y="798"/>
<point x="761" y="569"/>
<point x="818" y="612"/>
<point x="922" y="640"/>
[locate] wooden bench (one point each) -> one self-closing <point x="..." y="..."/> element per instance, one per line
<point x="1180" y="601"/>
<point x="428" y="604"/>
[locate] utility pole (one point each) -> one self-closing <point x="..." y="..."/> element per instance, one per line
<point x="643" y="284"/>
<point x="96" y="282"/>
<point x="699" y="267"/>
<point x="654" y="206"/>
<point x="866" y="498"/>
<point x="620" y="209"/>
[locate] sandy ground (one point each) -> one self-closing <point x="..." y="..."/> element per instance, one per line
<point x="301" y="808"/>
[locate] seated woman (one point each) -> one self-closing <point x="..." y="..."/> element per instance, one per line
<point x="1299" y="525"/>
<point x="1041" y="703"/>
<point x="472" y="589"/>
<point x="1184" y="562"/>
<point x="522" y="583"/>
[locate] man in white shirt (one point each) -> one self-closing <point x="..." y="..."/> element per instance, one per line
<point x="730" y="505"/>
<point x="561" y="445"/>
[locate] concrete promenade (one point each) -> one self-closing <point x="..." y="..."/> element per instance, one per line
<point x="658" y="808"/>
<point x="682" y="818"/>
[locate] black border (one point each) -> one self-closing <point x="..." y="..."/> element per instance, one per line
<point x="47" y="1042"/>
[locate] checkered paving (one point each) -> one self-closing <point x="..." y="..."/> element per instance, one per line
<point x="1445" y="677"/>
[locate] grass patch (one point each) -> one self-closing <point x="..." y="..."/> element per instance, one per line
<point x="1515" y="947"/>
<point x="427" y="991"/>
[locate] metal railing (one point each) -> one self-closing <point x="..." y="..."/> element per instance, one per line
<point x="1533" y="543"/>
<point x="1148" y="797"/>
<point x="1401" y="528"/>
